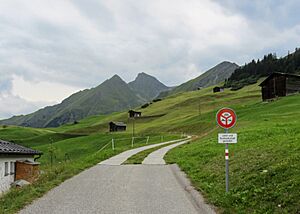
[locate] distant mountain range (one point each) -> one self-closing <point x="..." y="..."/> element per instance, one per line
<point x="211" y="77"/>
<point x="114" y="95"/>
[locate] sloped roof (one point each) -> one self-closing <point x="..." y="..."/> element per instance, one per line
<point x="118" y="123"/>
<point x="12" y="148"/>
<point x="134" y="111"/>
<point x="278" y="74"/>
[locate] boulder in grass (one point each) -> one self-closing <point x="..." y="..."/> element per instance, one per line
<point x="20" y="183"/>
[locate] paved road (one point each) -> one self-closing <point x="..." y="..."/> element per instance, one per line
<point x="121" y="158"/>
<point x="121" y="189"/>
<point x="157" y="157"/>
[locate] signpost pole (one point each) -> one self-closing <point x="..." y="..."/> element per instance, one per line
<point x="133" y="121"/>
<point x="227" y="164"/>
<point x="226" y="118"/>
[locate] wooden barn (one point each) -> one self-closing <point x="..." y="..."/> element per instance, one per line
<point x="280" y="85"/>
<point x="117" y="126"/>
<point x="218" y="89"/>
<point x="133" y="113"/>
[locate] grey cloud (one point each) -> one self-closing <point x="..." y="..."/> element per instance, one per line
<point x="11" y="105"/>
<point x="279" y="13"/>
<point x="172" y="40"/>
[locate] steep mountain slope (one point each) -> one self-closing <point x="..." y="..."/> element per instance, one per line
<point x="211" y="77"/>
<point x="254" y="70"/>
<point x="112" y="95"/>
<point x="147" y="87"/>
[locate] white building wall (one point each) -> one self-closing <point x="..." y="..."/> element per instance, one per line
<point x="6" y="181"/>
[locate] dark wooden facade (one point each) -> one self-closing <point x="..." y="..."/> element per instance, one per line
<point x="117" y="126"/>
<point x="133" y="113"/>
<point x="218" y="89"/>
<point x="280" y="85"/>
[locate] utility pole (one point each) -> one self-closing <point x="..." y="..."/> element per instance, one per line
<point x="133" y="124"/>
<point x="51" y="153"/>
<point x="199" y="109"/>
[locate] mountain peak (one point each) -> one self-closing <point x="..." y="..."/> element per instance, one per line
<point x="227" y="63"/>
<point x="144" y="75"/>
<point x="213" y="76"/>
<point x="110" y="96"/>
<point x="115" y="77"/>
<point x="147" y="86"/>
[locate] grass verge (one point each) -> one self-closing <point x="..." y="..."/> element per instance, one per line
<point x="264" y="164"/>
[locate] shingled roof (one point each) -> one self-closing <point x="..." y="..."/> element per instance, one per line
<point x="278" y="74"/>
<point x="12" y="148"/>
<point x="118" y="123"/>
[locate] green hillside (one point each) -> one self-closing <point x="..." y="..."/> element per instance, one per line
<point x="213" y="76"/>
<point x="251" y="72"/>
<point x="264" y="165"/>
<point x="112" y="95"/>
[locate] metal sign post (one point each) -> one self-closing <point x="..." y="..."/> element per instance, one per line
<point x="226" y="118"/>
<point x="227" y="164"/>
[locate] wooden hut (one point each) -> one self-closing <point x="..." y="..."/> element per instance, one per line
<point x="280" y="85"/>
<point x="117" y="126"/>
<point x="133" y="113"/>
<point x="218" y="89"/>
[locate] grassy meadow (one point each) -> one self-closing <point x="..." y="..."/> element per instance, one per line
<point x="264" y="165"/>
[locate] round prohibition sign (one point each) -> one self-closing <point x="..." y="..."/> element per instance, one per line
<point x="226" y="118"/>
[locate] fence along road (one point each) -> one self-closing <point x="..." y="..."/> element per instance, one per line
<point x="121" y="158"/>
<point x="105" y="188"/>
<point x="157" y="157"/>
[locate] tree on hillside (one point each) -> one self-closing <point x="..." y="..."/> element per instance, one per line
<point x="251" y="72"/>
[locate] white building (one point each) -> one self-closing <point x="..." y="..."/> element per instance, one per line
<point x="9" y="154"/>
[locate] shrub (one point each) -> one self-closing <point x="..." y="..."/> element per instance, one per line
<point x="156" y="100"/>
<point x="145" y="105"/>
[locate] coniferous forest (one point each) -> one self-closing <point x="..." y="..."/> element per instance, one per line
<point x="251" y="72"/>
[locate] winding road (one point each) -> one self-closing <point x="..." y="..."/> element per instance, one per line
<point x="112" y="188"/>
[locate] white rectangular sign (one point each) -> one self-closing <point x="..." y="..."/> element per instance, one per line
<point x="227" y="138"/>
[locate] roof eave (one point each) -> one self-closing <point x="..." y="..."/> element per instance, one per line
<point x="20" y="153"/>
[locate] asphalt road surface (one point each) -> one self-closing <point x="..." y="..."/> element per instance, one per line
<point x="118" y="189"/>
<point x="121" y="158"/>
<point x="157" y="157"/>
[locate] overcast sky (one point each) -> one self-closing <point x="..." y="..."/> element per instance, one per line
<point x="51" y="49"/>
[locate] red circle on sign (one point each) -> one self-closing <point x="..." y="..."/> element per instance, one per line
<point x="226" y="118"/>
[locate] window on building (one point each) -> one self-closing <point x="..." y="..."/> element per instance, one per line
<point x="12" y="168"/>
<point x="6" y="169"/>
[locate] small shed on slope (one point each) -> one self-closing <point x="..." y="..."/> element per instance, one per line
<point x="117" y="126"/>
<point x="17" y="162"/>
<point x="280" y="85"/>
<point x="218" y="89"/>
<point x="132" y="113"/>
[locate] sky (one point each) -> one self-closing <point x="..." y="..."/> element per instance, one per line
<point x="51" y="49"/>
